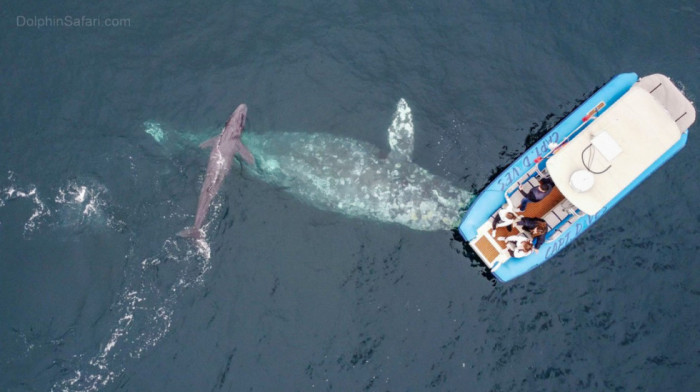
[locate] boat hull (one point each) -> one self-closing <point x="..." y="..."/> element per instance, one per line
<point x="493" y="196"/>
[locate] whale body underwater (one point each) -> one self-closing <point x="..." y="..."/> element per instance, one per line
<point x="355" y="178"/>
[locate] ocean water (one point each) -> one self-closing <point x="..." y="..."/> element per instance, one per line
<point x="98" y="294"/>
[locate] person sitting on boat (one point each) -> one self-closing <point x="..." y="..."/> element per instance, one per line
<point x="537" y="228"/>
<point x="518" y="245"/>
<point x="537" y="193"/>
<point x="505" y="217"/>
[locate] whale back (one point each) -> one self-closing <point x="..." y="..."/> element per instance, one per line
<point x="347" y="176"/>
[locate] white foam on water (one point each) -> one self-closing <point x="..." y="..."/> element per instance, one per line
<point x="82" y="203"/>
<point x="145" y="310"/>
<point x="145" y="318"/>
<point x="13" y="191"/>
<point x="76" y="204"/>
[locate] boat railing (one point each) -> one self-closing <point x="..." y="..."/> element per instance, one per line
<point x="564" y="214"/>
<point x="553" y="149"/>
<point x="540" y="168"/>
<point x="517" y="191"/>
<point x="560" y="218"/>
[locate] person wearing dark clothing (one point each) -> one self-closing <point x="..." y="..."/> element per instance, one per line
<point x="505" y="217"/>
<point x="537" y="228"/>
<point x="537" y="193"/>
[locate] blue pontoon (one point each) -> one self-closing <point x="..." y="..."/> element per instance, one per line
<point x="594" y="157"/>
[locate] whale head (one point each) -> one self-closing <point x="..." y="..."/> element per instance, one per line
<point x="236" y="123"/>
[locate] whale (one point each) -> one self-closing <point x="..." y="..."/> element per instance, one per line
<point x="223" y="149"/>
<point x="358" y="179"/>
<point x="345" y="175"/>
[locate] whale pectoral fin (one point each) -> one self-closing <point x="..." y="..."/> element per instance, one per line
<point x="210" y="143"/>
<point x="401" y="132"/>
<point x="244" y="153"/>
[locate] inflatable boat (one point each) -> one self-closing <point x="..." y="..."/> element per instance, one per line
<point x="579" y="170"/>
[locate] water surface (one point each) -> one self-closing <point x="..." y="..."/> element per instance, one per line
<point x="96" y="292"/>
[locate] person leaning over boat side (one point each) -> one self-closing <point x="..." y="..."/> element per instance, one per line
<point x="505" y="217"/>
<point x="537" y="193"/>
<point x="537" y="228"/>
<point x="518" y="245"/>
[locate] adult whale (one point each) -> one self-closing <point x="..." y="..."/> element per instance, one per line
<point x="354" y="178"/>
<point x="223" y="148"/>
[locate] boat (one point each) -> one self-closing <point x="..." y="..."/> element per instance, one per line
<point x="590" y="160"/>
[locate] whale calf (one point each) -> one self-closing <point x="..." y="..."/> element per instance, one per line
<point x="223" y="148"/>
<point x="356" y="178"/>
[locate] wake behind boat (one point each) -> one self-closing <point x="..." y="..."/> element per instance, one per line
<point x="577" y="172"/>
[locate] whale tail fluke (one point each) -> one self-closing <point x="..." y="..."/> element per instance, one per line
<point x="401" y="133"/>
<point x="191" y="232"/>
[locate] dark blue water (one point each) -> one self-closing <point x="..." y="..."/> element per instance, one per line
<point x="96" y="292"/>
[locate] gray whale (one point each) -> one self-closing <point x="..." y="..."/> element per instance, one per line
<point x="223" y="148"/>
<point x="351" y="177"/>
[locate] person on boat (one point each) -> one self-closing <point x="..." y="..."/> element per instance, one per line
<point x="537" y="193"/>
<point x="518" y="245"/>
<point x="505" y="217"/>
<point x="537" y="228"/>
